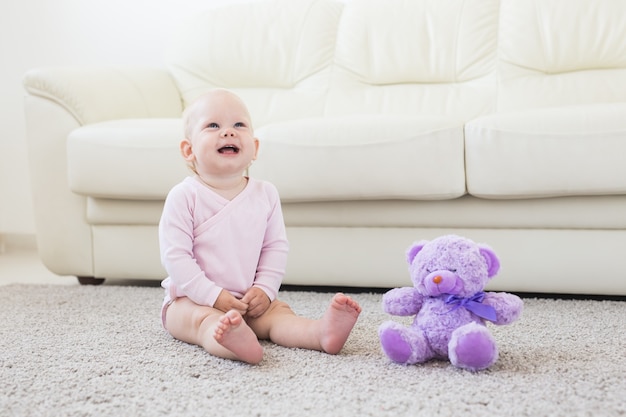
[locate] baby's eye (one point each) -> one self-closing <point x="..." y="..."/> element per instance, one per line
<point x="213" y="125"/>
<point x="240" y="124"/>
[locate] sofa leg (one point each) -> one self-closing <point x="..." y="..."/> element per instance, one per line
<point x="90" y="280"/>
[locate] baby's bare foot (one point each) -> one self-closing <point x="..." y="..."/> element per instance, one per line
<point x="338" y="322"/>
<point x="234" y="334"/>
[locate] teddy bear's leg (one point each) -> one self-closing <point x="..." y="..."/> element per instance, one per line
<point x="472" y="347"/>
<point x="402" y="344"/>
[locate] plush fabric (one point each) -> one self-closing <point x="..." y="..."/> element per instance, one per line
<point x="450" y="305"/>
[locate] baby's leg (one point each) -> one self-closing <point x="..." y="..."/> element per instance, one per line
<point x="225" y="335"/>
<point x="327" y="334"/>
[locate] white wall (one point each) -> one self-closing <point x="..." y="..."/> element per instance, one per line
<point x="36" y="33"/>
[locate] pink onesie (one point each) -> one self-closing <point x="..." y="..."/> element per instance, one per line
<point x="209" y="243"/>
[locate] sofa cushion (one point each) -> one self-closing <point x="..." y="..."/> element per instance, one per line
<point x="561" y="52"/>
<point x="564" y="151"/>
<point x="388" y="42"/>
<point x="363" y="157"/>
<point x="130" y="158"/>
<point x="277" y="59"/>
<point x="415" y="58"/>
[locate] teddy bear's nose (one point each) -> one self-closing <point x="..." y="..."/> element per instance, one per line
<point x="437" y="279"/>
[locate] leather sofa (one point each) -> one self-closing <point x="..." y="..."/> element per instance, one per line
<point x="381" y="122"/>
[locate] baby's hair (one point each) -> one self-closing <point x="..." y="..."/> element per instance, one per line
<point x="187" y="120"/>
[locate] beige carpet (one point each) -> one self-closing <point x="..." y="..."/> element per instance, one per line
<point x="100" y="351"/>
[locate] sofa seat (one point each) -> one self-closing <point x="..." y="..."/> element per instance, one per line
<point x="134" y="159"/>
<point x="548" y="152"/>
<point x="139" y="159"/>
<point x="508" y="155"/>
<point x="387" y="155"/>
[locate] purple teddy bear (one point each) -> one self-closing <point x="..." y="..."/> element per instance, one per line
<point x="449" y="274"/>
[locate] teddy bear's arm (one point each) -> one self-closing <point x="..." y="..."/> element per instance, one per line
<point x="508" y="306"/>
<point x="404" y="301"/>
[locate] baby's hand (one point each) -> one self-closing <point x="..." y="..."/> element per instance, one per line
<point x="226" y="302"/>
<point x="258" y="302"/>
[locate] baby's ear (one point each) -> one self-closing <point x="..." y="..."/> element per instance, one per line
<point x="493" y="263"/>
<point x="412" y="252"/>
<point x="256" y="149"/>
<point x="186" y="151"/>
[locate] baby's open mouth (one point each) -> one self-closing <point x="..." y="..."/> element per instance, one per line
<point x="228" y="149"/>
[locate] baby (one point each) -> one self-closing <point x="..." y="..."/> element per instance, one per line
<point x="224" y="247"/>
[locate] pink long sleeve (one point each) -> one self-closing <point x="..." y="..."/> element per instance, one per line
<point x="209" y="243"/>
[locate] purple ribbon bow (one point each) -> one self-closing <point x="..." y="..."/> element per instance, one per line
<point x="473" y="304"/>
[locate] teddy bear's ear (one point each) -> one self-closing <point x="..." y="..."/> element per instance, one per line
<point x="493" y="263"/>
<point x="414" y="249"/>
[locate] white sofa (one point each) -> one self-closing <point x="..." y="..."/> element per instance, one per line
<point x="381" y="122"/>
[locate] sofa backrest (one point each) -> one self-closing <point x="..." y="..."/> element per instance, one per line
<point x="298" y="58"/>
<point x="561" y="52"/>
<point x="415" y="57"/>
<point x="276" y="54"/>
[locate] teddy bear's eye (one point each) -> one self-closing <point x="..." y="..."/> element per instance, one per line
<point x="449" y="269"/>
<point x="430" y="271"/>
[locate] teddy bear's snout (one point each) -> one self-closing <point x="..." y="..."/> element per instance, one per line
<point x="442" y="282"/>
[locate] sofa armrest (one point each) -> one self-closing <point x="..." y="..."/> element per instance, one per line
<point x="95" y="94"/>
<point x="59" y="100"/>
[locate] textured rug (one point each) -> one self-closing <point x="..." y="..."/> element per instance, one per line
<point x="101" y="351"/>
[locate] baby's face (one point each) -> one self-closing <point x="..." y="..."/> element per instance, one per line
<point x="220" y="136"/>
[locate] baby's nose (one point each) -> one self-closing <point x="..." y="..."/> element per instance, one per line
<point x="228" y="133"/>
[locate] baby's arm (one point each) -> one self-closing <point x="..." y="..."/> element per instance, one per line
<point x="273" y="257"/>
<point x="176" y="241"/>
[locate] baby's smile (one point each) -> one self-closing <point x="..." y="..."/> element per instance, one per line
<point x="228" y="149"/>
